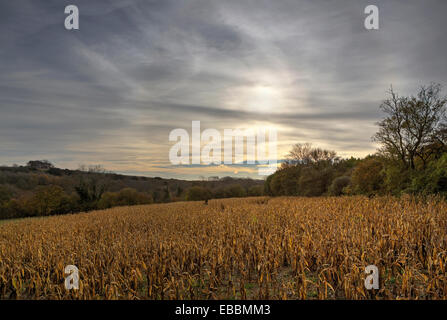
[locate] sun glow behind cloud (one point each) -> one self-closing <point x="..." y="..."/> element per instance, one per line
<point x="112" y="92"/>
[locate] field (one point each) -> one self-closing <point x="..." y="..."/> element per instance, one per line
<point x="252" y="248"/>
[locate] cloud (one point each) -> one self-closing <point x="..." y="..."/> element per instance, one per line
<point x="111" y="92"/>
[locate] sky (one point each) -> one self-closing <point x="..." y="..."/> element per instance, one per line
<point x="111" y="92"/>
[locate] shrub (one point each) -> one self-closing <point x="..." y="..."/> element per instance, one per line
<point x="47" y="200"/>
<point x="368" y="178"/>
<point x="337" y="186"/>
<point x="235" y="191"/>
<point x="197" y="193"/>
<point x="125" y="197"/>
<point x="5" y="194"/>
<point x="256" y="191"/>
<point x="314" y="182"/>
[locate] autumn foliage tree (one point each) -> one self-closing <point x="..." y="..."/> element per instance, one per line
<point x="368" y="178"/>
<point x="413" y="126"/>
<point x="46" y="200"/>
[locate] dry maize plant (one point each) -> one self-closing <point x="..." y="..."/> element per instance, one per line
<point x="252" y="248"/>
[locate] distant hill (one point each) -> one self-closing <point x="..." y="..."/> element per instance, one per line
<point x="39" y="188"/>
<point x="27" y="178"/>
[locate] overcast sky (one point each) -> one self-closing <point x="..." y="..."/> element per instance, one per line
<point x="111" y="92"/>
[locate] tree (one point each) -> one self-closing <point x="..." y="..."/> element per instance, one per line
<point x="235" y="191"/>
<point x="166" y="193"/>
<point x="5" y="194"/>
<point x="125" y="197"/>
<point x="305" y="154"/>
<point x="179" y="191"/>
<point x="96" y="168"/>
<point x="308" y="171"/>
<point x="46" y="200"/>
<point x="412" y="126"/>
<point x="433" y="179"/>
<point x="40" y="164"/>
<point x="368" y="178"/>
<point x="284" y="182"/>
<point x="256" y="191"/>
<point x="90" y="191"/>
<point x="338" y="185"/>
<point x="197" y="193"/>
<point x="314" y="182"/>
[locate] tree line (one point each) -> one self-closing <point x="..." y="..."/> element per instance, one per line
<point x="40" y="189"/>
<point x="412" y="158"/>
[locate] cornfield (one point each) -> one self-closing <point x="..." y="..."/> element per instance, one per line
<point x="252" y="248"/>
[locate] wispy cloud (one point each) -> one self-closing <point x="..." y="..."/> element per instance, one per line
<point x="111" y="92"/>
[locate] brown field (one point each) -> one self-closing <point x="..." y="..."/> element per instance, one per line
<point x="252" y="248"/>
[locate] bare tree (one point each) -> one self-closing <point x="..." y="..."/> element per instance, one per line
<point x="97" y="168"/>
<point x="304" y="153"/>
<point x="413" y="124"/>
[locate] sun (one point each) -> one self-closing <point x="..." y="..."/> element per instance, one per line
<point x="257" y="98"/>
<point x="263" y="98"/>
